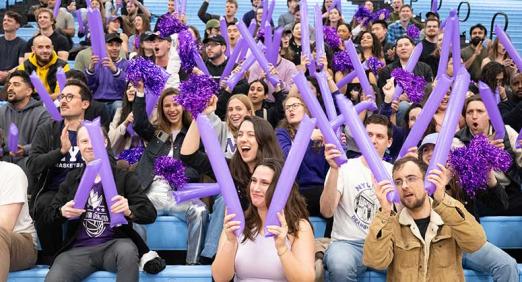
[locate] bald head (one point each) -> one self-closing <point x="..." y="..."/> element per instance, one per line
<point x="43" y="49"/>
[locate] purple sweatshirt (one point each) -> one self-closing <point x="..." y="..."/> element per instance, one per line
<point x="106" y="85"/>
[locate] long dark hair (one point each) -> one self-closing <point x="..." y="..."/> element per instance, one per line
<point x="490" y="72"/>
<point x="267" y="148"/>
<point x="376" y="45"/>
<point x="162" y="122"/>
<point x="126" y="106"/>
<point x="295" y="209"/>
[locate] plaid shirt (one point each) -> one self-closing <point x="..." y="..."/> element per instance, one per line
<point x="395" y="30"/>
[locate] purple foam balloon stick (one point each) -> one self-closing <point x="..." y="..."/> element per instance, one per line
<point x="183" y="6"/>
<point x="426" y="115"/>
<point x="200" y="64"/>
<point x="45" y="98"/>
<point x="196" y="192"/>
<point x="12" y="140"/>
<point x="319" y="37"/>
<point x="508" y="45"/>
<point x="434" y="5"/>
<point x="260" y="57"/>
<point x="318" y="113"/>
<point x="305" y="30"/>
<point x="86" y="182"/>
<point x="81" y="25"/>
<point x="221" y="170"/>
<point x="412" y="61"/>
<point x="245" y="66"/>
<point x="450" y="123"/>
<point x="364" y="144"/>
<point x="266" y="9"/>
<point x="276" y="40"/>
<point x="289" y="172"/>
<point x="347" y="79"/>
<point x="234" y="57"/>
<point x="326" y="94"/>
<point x="107" y="178"/>
<point x="130" y="130"/>
<point x="367" y="105"/>
<point x="493" y="111"/>
<point x="61" y="78"/>
<point x="359" y="70"/>
<point x="455" y="34"/>
<point x="445" y="50"/>
<point x="224" y="33"/>
<point x="88" y="2"/>
<point x="56" y="9"/>
<point x="150" y="103"/>
<point x="195" y="186"/>
<point x="251" y="29"/>
<point x="97" y="34"/>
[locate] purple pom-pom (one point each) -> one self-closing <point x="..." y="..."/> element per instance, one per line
<point x="341" y="61"/>
<point x="132" y="155"/>
<point x="169" y="25"/>
<point x="376" y="16"/>
<point x="413" y="32"/>
<point x="331" y="38"/>
<point x="196" y="92"/>
<point x="411" y="84"/>
<point x="187" y="48"/>
<point x="362" y="15"/>
<point x="154" y="77"/>
<point x="473" y="163"/>
<point x="172" y="170"/>
<point x="374" y="65"/>
<point x="260" y="34"/>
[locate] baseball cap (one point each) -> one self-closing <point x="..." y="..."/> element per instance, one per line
<point x="213" y="23"/>
<point x="432" y="14"/>
<point x="113" y="37"/>
<point x="150" y="36"/>
<point x="215" y="38"/>
<point x="112" y="18"/>
<point x="429" y="139"/>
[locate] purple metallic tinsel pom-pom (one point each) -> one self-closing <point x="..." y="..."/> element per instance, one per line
<point x="169" y="25"/>
<point x="196" y="92"/>
<point x="411" y="84"/>
<point x="187" y="48"/>
<point x="413" y="32"/>
<point x="374" y="65"/>
<point x="377" y="14"/>
<point x="341" y="61"/>
<point x="362" y="15"/>
<point x="132" y="155"/>
<point x="172" y="170"/>
<point x="473" y="163"/>
<point x="331" y="38"/>
<point x="153" y="76"/>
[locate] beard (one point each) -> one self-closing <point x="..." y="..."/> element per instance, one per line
<point x="13" y="99"/>
<point x="415" y="204"/>
<point x="42" y="61"/>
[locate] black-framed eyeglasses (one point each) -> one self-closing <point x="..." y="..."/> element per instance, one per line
<point x="67" y="97"/>
<point x="292" y="106"/>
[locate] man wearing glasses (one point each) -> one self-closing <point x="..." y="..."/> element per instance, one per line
<point x="349" y="196"/>
<point x="53" y="154"/>
<point x="215" y="47"/>
<point x="427" y="237"/>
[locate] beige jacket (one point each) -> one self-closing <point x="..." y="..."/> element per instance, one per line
<point x="394" y="243"/>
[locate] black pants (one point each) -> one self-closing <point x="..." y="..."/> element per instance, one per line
<point x="49" y="234"/>
<point x="312" y="195"/>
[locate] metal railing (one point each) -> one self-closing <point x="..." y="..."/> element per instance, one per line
<point x="506" y="23"/>
<point x="468" y="12"/>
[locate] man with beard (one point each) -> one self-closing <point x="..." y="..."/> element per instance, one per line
<point x="53" y="154"/>
<point x="11" y="46"/>
<point x="476" y="51"/>
<point x="44" y="61"/>
<point x="46" y="22"/>
<point x="511" y="109"/>
<point x="349" y="196"/>
<point x="215" y="47"/>
<point x="230" y="12"/>
<point x="429" y="43"/>
<point x="427" y="237"/>
<point x="106" y="76"/>
<point x="25" y="112"/>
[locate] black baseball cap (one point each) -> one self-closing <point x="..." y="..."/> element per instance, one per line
<point x="215" y="38"/>
<point x="113" y="37"/>
<point x="432" y="14"/>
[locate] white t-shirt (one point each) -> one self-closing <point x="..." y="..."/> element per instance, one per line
<point x="358" y="203"/>
<point x="13" y="189"/>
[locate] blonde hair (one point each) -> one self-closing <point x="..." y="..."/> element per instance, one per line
<point x="246" y="102"/>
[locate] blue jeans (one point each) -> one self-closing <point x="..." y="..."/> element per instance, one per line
<point x="343" y="261"/>
<point x="401" y="112"/>
<point x="215" y="227"/>
<point x="111" y="107"/>
<point x="492" y="260"/>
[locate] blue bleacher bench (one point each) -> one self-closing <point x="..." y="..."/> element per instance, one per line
<point x="503" y="231"/>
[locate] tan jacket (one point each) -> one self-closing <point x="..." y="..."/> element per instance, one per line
<point x="394" y="243"/>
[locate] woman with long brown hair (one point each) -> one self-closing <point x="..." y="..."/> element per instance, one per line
<point x="288" y="256"/>
<point x="164" y="138"/>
